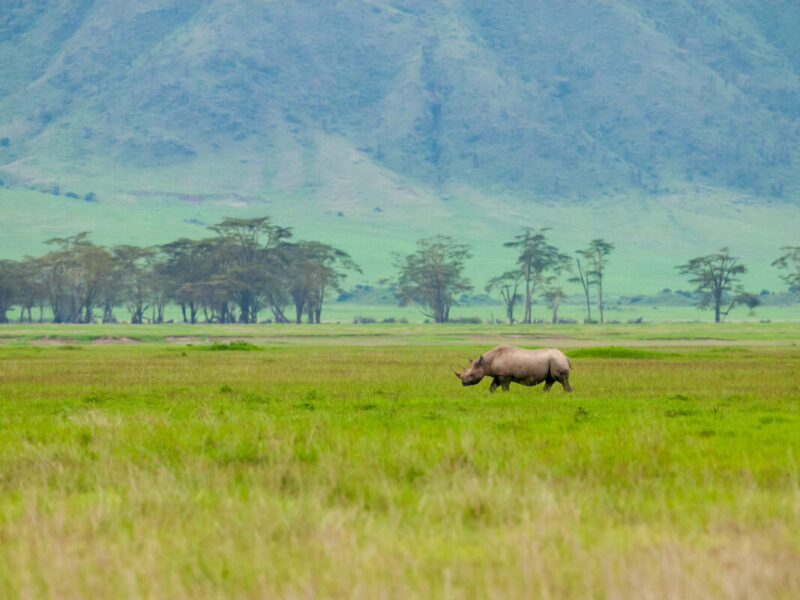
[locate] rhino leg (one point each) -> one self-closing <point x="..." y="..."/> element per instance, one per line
<point x="562" y="378"/>
<point x="548" y="383"/>
<point x="495" y="383"/>
<point x="506" y="384"/>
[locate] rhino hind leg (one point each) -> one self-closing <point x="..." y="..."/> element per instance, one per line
<point x="561" y="376"/>
<point x="564" y="381"/>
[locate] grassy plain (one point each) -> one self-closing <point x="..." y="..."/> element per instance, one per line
<point x="346" y="461"/>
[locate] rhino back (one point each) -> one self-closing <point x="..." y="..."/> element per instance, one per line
<point x="520" y="362"/>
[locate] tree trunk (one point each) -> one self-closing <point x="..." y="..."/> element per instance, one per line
<point x="278" y="314"/>
<point x="528" y="299"/>
<point x="600" y="296"/>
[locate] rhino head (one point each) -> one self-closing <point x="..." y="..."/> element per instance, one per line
<point x="472" y="374"/>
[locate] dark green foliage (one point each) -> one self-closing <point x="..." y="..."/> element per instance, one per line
<point x="433" y="276"/>
<point x="717" y="279"/>
<point x="249" y="266"/>
<point x="237" y="345"/>
<point x="616" y="352"/>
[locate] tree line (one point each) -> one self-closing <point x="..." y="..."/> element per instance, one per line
<point x="249" y="265"/>
<point x="252" y="265"/>
<point x="433" y="276"/>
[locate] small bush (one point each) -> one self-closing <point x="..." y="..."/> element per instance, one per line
<point x="467" y="320"/>
<point x="238" y="345"/>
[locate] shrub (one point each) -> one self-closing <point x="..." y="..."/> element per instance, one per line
<point x="239" y="345"/>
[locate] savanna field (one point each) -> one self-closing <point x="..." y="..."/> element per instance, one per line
<point x="347" y="461"/>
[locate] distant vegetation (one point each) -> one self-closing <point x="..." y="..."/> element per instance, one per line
<point x="252" y="265"/>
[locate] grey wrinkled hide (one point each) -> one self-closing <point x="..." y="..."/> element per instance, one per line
<point x="509" y="364"/>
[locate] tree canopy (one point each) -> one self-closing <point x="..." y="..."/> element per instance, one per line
<point x="433" y="276"/>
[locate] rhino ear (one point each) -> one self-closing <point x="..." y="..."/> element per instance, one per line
<point x="480" y="360"/>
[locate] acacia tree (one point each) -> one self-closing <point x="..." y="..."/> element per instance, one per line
<point x="187" y="262"/>
<point x="717" y="279"/>
<point x="73" y="277"/>
<point x="432" y="276"/>
<point x="595" y="256"/>
<point x="508" y="285"/>
<point x="9" y="280"/>
<point x="315" y="268"/>
<point x="245" y="252"/>
<point x="584" y="278"/>
<point x="27" y="288"/>
<point x="136" y="282"/>
<point x="790" y="262"/>
<point x="536" y="258"/>
<point x="554" y="295"/>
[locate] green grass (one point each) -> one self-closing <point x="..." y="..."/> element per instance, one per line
<point x="617" y="352"/>
<point x="336" y="466"/>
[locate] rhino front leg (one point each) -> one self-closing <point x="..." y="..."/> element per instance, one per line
<point x="495" y="383"/>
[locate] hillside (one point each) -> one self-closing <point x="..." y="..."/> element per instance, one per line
<point x="669" y="127"/>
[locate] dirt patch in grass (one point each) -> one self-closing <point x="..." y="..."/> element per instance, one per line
<point x="186" y="339"/>
<point x="692" y="339"/>
<point x="109" y="340"/>
<point x="54" y="341"/>
<point x="551" y="336"/>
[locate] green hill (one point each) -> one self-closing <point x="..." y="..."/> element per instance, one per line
<point x="670" y="128"/>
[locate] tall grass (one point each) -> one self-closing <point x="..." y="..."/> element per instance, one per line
<point x="346" y="470"/>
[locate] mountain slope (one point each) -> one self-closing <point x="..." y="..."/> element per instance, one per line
<point x="632" y="119"/>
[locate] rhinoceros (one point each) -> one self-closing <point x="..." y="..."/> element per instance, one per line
<point x="509" y="364"/>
